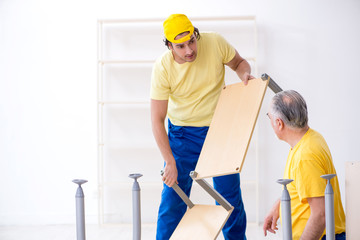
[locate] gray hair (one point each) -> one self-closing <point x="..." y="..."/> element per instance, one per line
<point x="291" y="108"/>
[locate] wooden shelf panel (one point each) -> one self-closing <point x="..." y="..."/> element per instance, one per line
<point x="201" y="222"/>
<point x="231" y="129"/>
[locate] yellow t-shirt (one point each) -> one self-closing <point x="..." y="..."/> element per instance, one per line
<point x="192" y="88"/>
<point x="307" y="161"/>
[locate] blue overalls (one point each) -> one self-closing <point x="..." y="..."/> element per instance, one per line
<point x="186" y="143"/>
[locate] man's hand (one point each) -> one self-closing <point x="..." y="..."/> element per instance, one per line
<point x="246" y="77"/>
<point x="270" y="221"/>
<point x="170" y="174"/>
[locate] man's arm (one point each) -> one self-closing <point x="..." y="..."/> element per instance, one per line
<point x="270" y="221"/>
<point x="158" y="115"/>
<point x="316" y="224"/>
<point x="241" y="67"/>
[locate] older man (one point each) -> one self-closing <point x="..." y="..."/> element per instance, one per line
<point x="308" y="159"/>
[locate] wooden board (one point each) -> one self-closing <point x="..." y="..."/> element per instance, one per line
<point x="201" y="222"/>
<point x="352" y="197"/>
<point x="231" y="129"/>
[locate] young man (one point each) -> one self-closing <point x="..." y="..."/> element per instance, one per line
<point x="308" y="159"/>
<point x="185" y="86"/>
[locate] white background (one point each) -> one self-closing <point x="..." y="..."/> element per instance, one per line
<point x="48" y="96"/>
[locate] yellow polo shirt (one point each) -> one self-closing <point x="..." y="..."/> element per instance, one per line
<point x="192" y="88"/>
<point x="307" y="161"/>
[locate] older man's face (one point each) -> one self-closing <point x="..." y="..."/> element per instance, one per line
<point x="273" y="122"/>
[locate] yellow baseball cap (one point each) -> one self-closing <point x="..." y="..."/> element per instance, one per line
<point x="176" y="24"/>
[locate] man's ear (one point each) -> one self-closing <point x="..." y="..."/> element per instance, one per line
<point x="280" y="124"/>
<point x="170" y="46"/>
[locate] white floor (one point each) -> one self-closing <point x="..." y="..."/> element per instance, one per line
<point x="96" y="232"/>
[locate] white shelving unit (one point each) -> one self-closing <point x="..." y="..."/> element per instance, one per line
<point x="127" y="49"/>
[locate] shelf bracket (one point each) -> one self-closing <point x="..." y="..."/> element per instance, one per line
<point x="212" y="192"/>
<point x="272" y="84"/>
<point x="181" y="193"/>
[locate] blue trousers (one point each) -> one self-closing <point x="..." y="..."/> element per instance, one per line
<point x="186" y="144"/>
<point x="340" y="236"/>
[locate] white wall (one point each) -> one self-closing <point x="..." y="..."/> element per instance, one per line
<point x="48" y="91"/>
